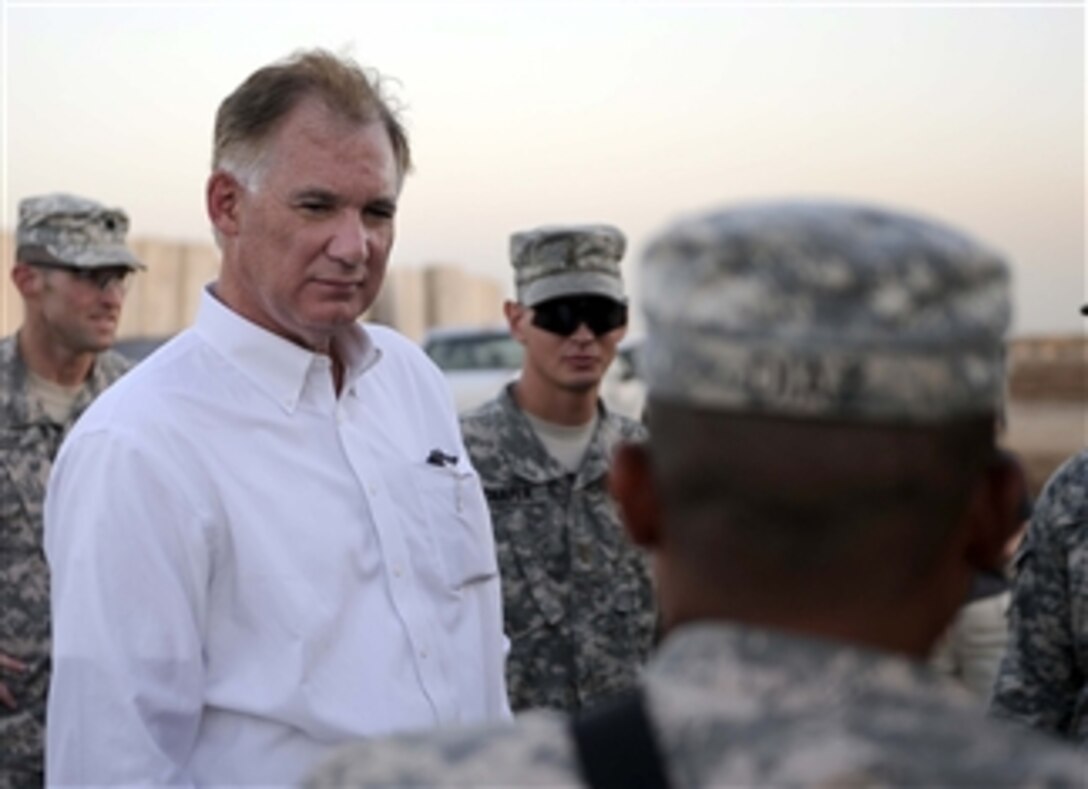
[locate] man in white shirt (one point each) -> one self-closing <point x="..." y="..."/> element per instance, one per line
<point x="270" y="539"/>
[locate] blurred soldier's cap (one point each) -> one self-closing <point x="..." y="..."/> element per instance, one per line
<point x="825" y="310"/>
<point x="567" y="260"/>
<point x="74" y="231"/>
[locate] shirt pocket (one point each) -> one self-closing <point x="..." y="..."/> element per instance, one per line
<point x="459" y="520"/>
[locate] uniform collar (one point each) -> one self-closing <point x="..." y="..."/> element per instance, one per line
<point x="20" y="410"/>
<point x="741" y="660"/>
<point x="533" y="463"/>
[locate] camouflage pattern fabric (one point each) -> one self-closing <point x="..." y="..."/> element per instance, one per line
<point x="567" y="260"/>
<point x="1043" y="680"/>
<point x="74" y="231"/>
<point x="825" y="310"/>
<point x="743" y="707"/>
<point x="29" y="440"/>
<point x="577" y="596"/>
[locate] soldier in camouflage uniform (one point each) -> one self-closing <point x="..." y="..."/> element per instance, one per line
<point x="71" y="268"/>
<point x="819" y="486"/>
<point x="577" y="597"/>
<point x="1043" y="679"/>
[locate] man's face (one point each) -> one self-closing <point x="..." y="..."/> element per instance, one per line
<point x="305" y="252"/>
<point x="81" y="309"/>
<point x="571" y="360"/>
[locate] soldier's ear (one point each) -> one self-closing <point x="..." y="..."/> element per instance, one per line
<point x="27" y="279"/>
<point x="996" y="511"/>
<point x="631" y="483"/>
<point x="515" y="314"/>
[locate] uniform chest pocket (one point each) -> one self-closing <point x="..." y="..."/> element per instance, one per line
<point x="458" y="519"/>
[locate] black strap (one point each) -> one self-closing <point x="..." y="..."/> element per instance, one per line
<point x="616" y="746"/>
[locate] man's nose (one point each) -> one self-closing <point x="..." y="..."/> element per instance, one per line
<point x="113" y="293"/>
<point x="350" y="240"/>
<point x="583" y="333"/>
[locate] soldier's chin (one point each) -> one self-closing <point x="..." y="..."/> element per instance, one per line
<point x="581" y="385"/>
<point x="102" y="341"/>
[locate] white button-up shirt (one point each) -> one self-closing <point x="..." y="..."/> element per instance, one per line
<point x="248" y="569"/>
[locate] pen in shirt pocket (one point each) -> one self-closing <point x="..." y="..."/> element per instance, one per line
<point x="440" y="459"/>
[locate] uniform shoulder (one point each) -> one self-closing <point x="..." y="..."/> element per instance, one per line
<point x="485" y="417"/>
<point x="534" y="751"/>
<point x="1074" y="469"/>
<point x="1023" y="757"/>
<point x="112" y="364"/>
<point x="618" y="429"/>
<point x="482" y="429"/>
<point x="7" y="350"/>
<point x="1064" y="498"/>
<point x="630" y="429"/>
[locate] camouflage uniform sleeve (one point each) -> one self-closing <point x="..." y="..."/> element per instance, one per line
<point x="1040" y="679"/>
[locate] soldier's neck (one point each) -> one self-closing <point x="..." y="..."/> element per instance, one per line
<point x="52" y="361"/>
<point x="891" y="627"/>
<point x="555" y="405"/>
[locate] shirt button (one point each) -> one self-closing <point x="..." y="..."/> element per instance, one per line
<point x="423" y="653"/>
<point x="372" y="490"/>
<point x="397" y="571"/>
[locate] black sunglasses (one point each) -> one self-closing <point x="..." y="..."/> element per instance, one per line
<point x="101" y="278"/>
<point x="564" y="315"/>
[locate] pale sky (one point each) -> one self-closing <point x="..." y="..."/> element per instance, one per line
<point x="524" y="113"/>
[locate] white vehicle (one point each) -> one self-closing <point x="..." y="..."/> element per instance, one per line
<point x="479" y="361"/>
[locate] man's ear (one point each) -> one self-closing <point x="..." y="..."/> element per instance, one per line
<point x="514" y="313"/>
<point x="996" y="511"/>
<point x="631" y="483"/>
<point x="27" y="279"/>
<point x="222" y="196"/>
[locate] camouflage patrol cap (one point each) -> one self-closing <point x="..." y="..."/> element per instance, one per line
<point x="567" y="260"/>
<point x="74" y="231"/>
<point x="825" y="310"/>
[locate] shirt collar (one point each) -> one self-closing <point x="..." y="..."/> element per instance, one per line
<point x="276" y="365"/>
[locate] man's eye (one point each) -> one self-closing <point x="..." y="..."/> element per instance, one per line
<point x="381" y="211"/>
<point x="315" y="208"/>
